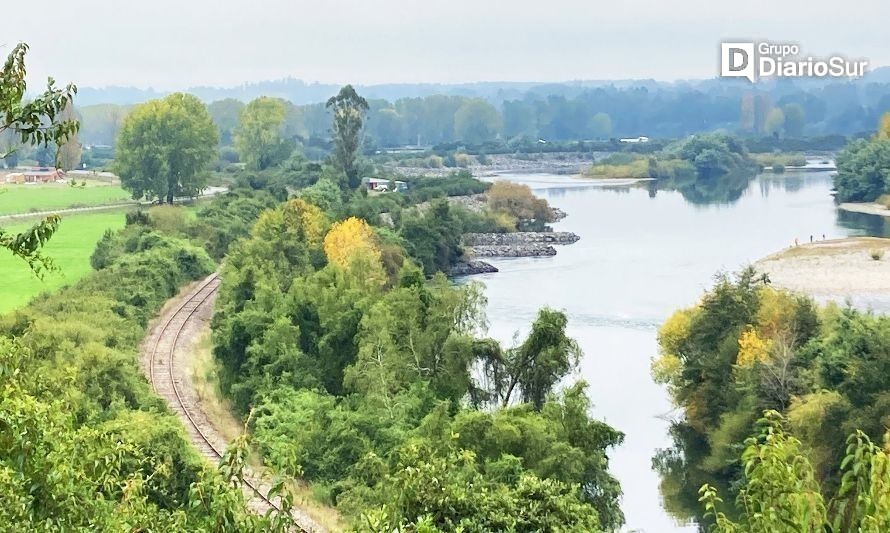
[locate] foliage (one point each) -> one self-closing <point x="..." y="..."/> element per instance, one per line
<point x="476" y="120"/>
<point x="164" y="148"/>
<point x="447" y="493"/>
<point x="780" y="491"/>
<point x="225" y="114"/>
<point x="863" y="171"/>
<point x="518" y="201"/>
<point x="349" y="110"/>
<point x="351" y="240"/>
<point x="715" y="155"/>
<point x="84" y="444"/>
<point x="39" y="121"/>
<point x="350" y="371"/>
<point x="746" y="348"/>
<point x="259" y="136"/>
<point x="432" y="238"/>
<point x="533" y="368"/>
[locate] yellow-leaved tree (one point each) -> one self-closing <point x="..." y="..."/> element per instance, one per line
<point x="667" y="366"/>
<point x="350" y="239"/>
<point x="884" y="127"/>
<point x="352" y="245"/>
<point x="753" y="348"/>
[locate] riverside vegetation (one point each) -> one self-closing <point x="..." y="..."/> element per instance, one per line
<point x="359" y="368"/>
<point x="815" y="462"/>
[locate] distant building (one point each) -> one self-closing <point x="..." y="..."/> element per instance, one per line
<point x="35" y="175"/>
<point x="382" y="185"/>
<point x="635" y="140"/>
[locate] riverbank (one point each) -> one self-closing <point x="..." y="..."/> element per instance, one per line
<point x="833" y="269"/>
<point x="869" y="208"/>
<point x="550" y="163"/>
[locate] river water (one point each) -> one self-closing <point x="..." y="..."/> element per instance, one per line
<point x="643" y="254"/>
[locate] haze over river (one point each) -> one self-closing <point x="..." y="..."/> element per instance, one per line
<point x="642" y="255"/>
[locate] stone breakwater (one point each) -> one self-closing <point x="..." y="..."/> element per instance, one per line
<point x="523" y="250"/>
<point x="519" y="244"/>
<point x="519" y="239"/>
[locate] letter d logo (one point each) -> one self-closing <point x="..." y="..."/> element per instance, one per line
<point x="737" y="60"/>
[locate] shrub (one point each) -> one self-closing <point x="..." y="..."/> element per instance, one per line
<point x="463" y="160"/>
<point x="876" y="253"/>
<point x="778" y="168"/>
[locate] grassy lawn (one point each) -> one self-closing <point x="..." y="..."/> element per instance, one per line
<point x="70" y="248"/>
<point x="25" y="198"/>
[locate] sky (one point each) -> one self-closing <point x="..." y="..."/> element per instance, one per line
<point x="175" y="44"/>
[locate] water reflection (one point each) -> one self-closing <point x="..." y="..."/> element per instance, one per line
<point x="646" y="250"/>
<point x="874" y="225"/>
<point x="724" y="189"/>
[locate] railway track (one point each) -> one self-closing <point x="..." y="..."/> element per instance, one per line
<point x="166" y="376"/>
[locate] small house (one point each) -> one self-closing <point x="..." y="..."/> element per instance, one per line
<point x="35" y="175"/>
<point x="383" y="185"/>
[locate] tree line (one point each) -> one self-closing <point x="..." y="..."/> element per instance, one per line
<point x="820" y="374"/>
<point x="558" y="112"/>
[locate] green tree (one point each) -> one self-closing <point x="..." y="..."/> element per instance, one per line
<point x="164" y="148"/>
<point x="532" y="369"/>
<point x="349" y="111"/>
<point x="69" y="153"/>
<point x="884" y="127"/>
<point x="795" y="119"/>
<point x="775" y="122"/>
<point x="259" y="136"/>
<point x="477" y="121"/>
<point x="863" y="171"/>
<point x="780" y="493"/>
<point x="601" y="126"/>
<point x="225" y="114"/>
<point x="434" y="493"/>
<point x="39" y="121"/>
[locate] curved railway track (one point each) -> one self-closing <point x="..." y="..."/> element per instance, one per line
<point x="166" y="381"/>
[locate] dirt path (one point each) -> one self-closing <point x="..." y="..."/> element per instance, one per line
<point x="165" y="358"/>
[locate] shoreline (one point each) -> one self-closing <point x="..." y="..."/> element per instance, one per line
<point x="836" y="269"/>
<point x="869" y="208"/>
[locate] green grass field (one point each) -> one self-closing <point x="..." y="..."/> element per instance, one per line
<point x="25" y="198"/>
<point x="70" y="248"/>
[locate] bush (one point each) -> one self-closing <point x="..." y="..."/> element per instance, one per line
<point x="876" y="253"/>
<point x="778" y="168"/>
<point x="463" y="160"/>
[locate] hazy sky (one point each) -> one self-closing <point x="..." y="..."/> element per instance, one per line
<point x="171" y="44"/>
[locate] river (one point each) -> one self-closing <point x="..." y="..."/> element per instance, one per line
<point x="643" y="254"/>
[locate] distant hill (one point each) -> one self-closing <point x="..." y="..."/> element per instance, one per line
<point x="300" y="92"/>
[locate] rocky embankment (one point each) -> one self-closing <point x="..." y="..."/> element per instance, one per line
<point x="468" y="268"/>
<point x="519" y="244"/>
<point x="519" y="238"/>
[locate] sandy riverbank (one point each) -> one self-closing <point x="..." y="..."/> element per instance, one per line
<point x="867" y="208"/>
<point x="833" y="270"/>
